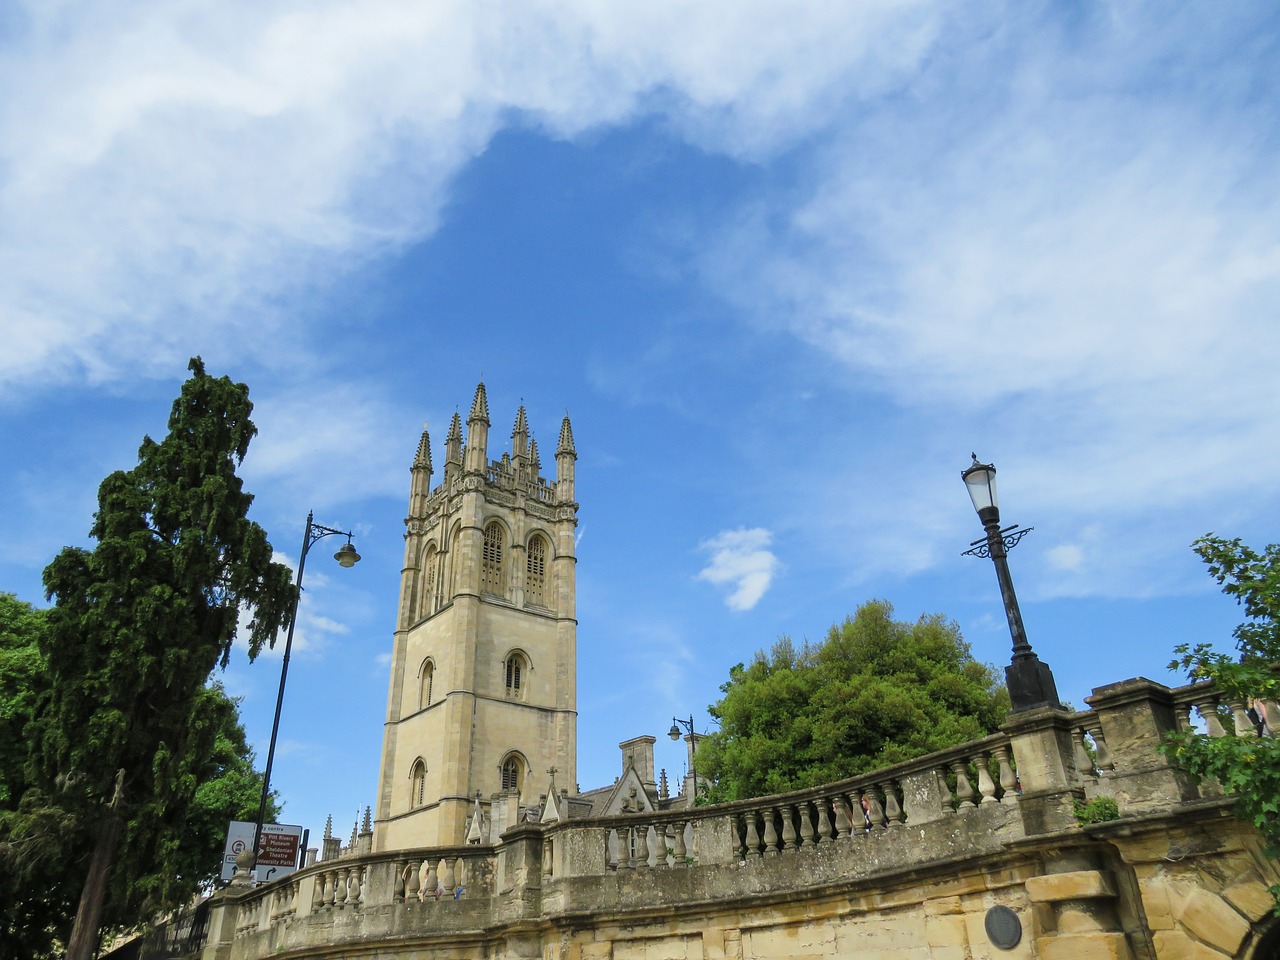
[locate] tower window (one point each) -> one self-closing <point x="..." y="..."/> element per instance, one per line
<point x="418" y="784"/>
<point x="429" y="578"/>
<point x="491" y="560"/>
<point x="516" y="668"/>
<point x="512" y="773"/>
<point x="425" y="681"/>
<point x="536" y="572"/>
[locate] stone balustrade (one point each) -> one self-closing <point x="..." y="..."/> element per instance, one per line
<point x="981" y="802"/>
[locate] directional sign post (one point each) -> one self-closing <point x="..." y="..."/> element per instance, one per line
<point x="278" y="849"/>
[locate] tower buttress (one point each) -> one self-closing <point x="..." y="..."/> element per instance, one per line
<point x="477" y="452"/>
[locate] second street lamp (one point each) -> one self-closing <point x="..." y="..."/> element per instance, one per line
<point x="674" y="734"/>
<point x="1030" y="681"/>
<point x="346" y="557"/>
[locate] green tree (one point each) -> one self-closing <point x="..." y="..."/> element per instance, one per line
<point x="44" y="864"/>
<point x="875" y="692"/>
<point x="1248" y="767"/>
<point x="123" y="731"/>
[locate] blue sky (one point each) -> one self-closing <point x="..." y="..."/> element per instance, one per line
<point x="785" y="265"/>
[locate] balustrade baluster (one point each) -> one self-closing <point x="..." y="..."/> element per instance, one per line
<point x="771" y="848"/>
<point x="1208" y="710"/>
<point x="805" y="811"/>
<point x="356" y="896"/>
<point x="450" y="879"/>
<point x="1271" y="711"/>
<point x="612" y="848"/>
<point x="642" y="847"/>
<point x="317" y="893"/>
<point x="877" y="811"/>
<point x="1008" y="779"/>
<point x="1101" y="753"/>
<point x="431" y="885"/>
<point x="986" y="786"/>
<point x="788" y="812"/>
<point x="823" y="831"/>
<point x="397" y="884"/>
<point x="844" y="827"/>
<point x="753" y="835"/>
<point x="964" y="789"/>
<point x="330" y="887"/>
<point x="1244" y="726"/>
<point x="340" y="894"/>
<point x="624" y="848"/>
<point x="945" y="796"/>
<point x="680" y="850"/>
<point x="662" y="845"/>
<point x="413" y="881"/>
<point x="1183" y="713"/>
<point x="892" y="808"/>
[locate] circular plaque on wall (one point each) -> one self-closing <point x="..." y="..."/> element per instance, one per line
<point x="1004" y="929"/>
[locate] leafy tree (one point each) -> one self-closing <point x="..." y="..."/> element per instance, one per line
<point x="1248" y="767"/>
<point x="44" y="862"/>
<point x="125" y="728"/>
<point x="875" y="692"/>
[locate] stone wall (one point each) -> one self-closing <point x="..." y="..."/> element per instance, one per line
<point x="968" y="853"/>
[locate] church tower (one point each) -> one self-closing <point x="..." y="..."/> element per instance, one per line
<point x="483" y="694"/>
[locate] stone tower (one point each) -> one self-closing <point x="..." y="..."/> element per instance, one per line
<point x="483" y="697"/>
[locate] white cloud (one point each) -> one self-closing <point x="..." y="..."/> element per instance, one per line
<point x="740" y="559"/>
<point x="171" y="172"/>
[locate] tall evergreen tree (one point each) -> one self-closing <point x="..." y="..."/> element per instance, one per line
<point x="139" y="623"/>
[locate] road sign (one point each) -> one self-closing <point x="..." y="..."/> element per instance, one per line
<point x="278" y="849"/>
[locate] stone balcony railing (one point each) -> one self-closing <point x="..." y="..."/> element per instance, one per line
<point x="969" y="803"/>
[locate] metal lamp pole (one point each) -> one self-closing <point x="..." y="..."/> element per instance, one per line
<point x="1029" y="679"/>
<point x="674" y="734"/>
<point x="346" y="557"/>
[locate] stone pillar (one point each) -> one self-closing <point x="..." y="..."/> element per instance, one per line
<point x="1084" y="921"/>
<point x="1135" y="715"/>
<point x="1045" y="760"/>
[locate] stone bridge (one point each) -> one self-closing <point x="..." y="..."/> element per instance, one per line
<point x="973" y="852"/>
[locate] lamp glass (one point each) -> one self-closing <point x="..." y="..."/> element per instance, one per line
<point x="674" y="732"/>
<point x="347" y="556"/>
<point x="981" y="482"/>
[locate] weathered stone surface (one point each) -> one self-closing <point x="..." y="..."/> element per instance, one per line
<point x="1076" y="885"/>
<point x="1211" y="919"/>
<point x="1088" y="946"/>
<point x="1251" y="898"/>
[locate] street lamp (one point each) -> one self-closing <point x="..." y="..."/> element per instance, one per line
<point x="674" y="734"/>
<point x="1029" y="679"/>
<point x="346" y="557"/>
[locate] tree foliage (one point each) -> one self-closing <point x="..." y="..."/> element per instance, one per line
<point x="876" y="691"/>
<point x="43" y="846"/>
<point x="139" y="623"/>
<point x="1248" y="766"/>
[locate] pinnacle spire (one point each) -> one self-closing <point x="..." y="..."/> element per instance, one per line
<point x="520" y="434"/>
<point x="455" y="428"/>
<point x="479" y="406"/>
<point x="566" y="439"/>
<point x="535" y="461"/>
<point x="423" y="458"/>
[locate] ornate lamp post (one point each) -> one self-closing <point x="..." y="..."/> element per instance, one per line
<point x="346" y="557"/>
<point x="1029" y="679"/>
<point x="674" y="734"/>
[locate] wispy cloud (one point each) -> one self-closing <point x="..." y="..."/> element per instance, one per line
<point x="742" y="561"/>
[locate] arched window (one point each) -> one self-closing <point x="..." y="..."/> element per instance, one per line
<point x="535" y="580"/>
<point x="425" y="678"/>
<point x="418" y="784"/>
<point x="516" y="669"/>
<point x="491" y="560"/>
<point x="457" y="576"/>
<point x="512" y="773"/>
<point x="430" y="576"/>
